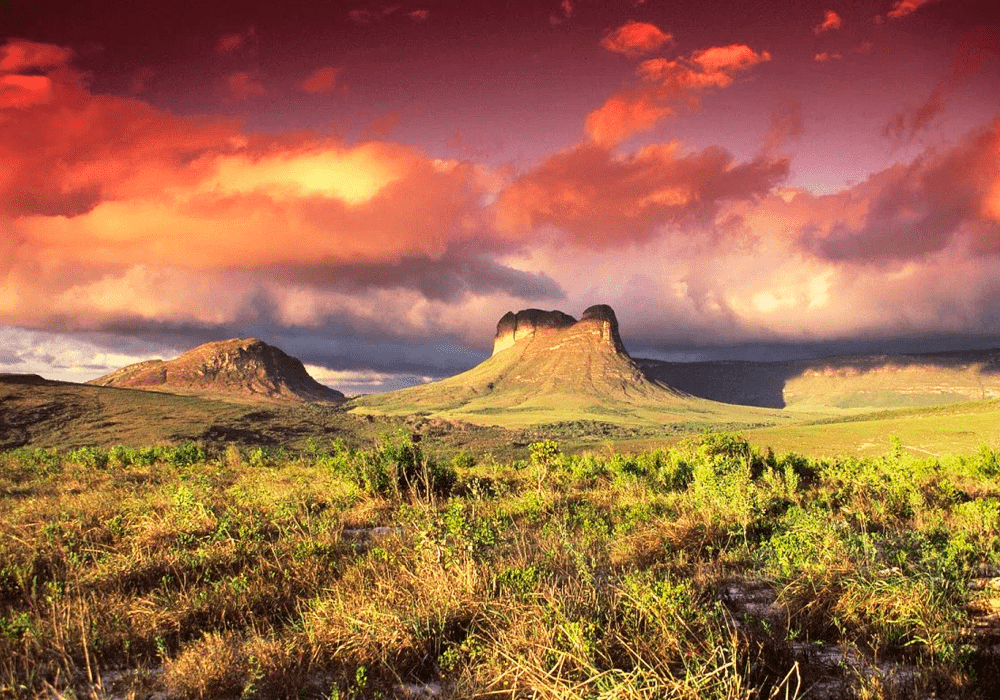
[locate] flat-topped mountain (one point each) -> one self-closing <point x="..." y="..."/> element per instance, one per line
<point x="544" y="352"/>
<point x="549" y="364"/>
<point x="236" y="368"/>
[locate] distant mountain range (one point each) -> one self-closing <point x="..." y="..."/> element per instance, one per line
<point x="548" y="363"/>
<point x="549" y="359"/>
<point x="547" y="369"/>
<point x="858" y="381"/>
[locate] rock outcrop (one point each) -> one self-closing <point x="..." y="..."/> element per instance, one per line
<point x="526" y="324"/>
<point x="236" y="368"/>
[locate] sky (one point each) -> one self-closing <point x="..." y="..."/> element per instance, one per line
<point x="370" y="186"/>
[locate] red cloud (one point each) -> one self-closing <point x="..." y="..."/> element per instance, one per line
<point x="831" y="20"/>
<point x="665" y="83"/>
<point x="601" y="200"/>
<point x="243" y="85"/>
<point x="635" y="38"/>
<point x="229" y="42"/>
<point x="18" y="56"/>
<point x="825" y="56"/>
<point x="565" y="12"/>
<point x="24" y="90"/>
<point x="902" y="8"/>
<point x="320" y="80"/>
<point x="968" y="60"/>
<point x="419" y="15"/>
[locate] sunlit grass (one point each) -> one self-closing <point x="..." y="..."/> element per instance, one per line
<point x="342" y="572"/>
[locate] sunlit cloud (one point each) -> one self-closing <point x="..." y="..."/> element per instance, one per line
<point x="937" y="201"/>
<point x="664" y="84"/>
<point x="19" y="55"/>
<point x="602" y="200"/>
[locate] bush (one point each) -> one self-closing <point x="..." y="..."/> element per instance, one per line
<point x="396" y="467"/>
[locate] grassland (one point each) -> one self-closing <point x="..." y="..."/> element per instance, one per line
<point x="929" y="431"/>
<point x="708" y="569"/>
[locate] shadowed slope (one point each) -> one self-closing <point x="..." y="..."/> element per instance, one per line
<point x="850" y="382"/>
<point x="237" y="368"/>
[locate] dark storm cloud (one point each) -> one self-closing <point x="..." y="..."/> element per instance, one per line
<point x="450" y="278"/>
<point x="339" y="343"/>
<point x="9" y="357"/>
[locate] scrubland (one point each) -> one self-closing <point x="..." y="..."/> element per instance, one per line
<point x="709" y="569"/>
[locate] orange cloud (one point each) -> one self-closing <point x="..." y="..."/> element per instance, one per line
<point x="104" y="199"/>
<point x="243" y="85"/>
<point x="320" y="80"/>
<point x="831" y="21"/>
<point x="601" y="200"/>
<point x="664" y="84"/>
<point x="728" y="59"/>
<point x="825" y="56"/>
<point x="635" y="38"/>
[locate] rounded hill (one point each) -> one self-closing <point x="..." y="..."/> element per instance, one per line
<point x="244" y="368"/>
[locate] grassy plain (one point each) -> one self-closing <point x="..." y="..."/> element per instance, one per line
<point x="708" y="569"/>
<point x="928" y="431"/>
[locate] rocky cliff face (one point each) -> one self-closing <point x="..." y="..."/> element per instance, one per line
<point x="598" y="320"/>
<point x="247" y="368"/>
<point x="526" y="324"/>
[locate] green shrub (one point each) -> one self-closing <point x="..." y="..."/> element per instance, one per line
<point x="397" y="467"/>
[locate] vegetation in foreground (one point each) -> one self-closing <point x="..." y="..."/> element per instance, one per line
<point x="706" y="570"/>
